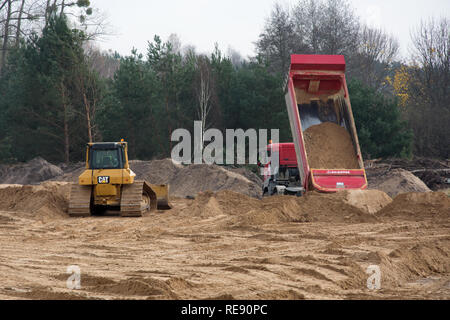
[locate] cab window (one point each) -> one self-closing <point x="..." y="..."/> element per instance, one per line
<point x="106" y="159"/>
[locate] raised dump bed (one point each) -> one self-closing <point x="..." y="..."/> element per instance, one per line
<point x="323" y="129"/>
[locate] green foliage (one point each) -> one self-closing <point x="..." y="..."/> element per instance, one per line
<point x="381" y="131"/>
<point x="257" y="100"/>
<point x="48" y="84"/>
<point x="44" y="85"/>
<point x="127" y="110"/>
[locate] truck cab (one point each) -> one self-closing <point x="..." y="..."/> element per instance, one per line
<point x="281" y="176"/>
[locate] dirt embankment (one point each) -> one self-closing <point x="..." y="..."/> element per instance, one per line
<point x="416" y="206"/>
<point x="32" y="172"/>
<point x="396" y="181"/>
<point x="184" y="180"/>
<point x="44" y="201"/>
<point x="191" y="179"/>
<point x="329" y="146"/>
<point x="395" y="176"/>
<point x="353" y="206"/>
<point x="50" y="200"/>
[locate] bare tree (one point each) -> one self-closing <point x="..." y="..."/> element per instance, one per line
<point x="104" y="63"/>
<point x="19" y="22"/>
<point x="425" y="83"/>
<point x="307" y="15"/>
<point x="277" y="41"/>
<point x="175" y="41"/>
<point x="235" y="57"/>
<point x="339" y="28"/>
<point x="431" y="51"/>
<point x="374" y="58"/>
<point x="319" y="27"/>
<point x="6" y="28"/>
<point x="204" y="91"/>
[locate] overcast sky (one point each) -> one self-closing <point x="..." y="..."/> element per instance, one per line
<point x="237" y="23"/>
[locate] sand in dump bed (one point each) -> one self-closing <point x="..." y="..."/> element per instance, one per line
<point x="329" y="146"/>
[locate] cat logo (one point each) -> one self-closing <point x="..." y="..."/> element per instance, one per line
<point x="103" y="180"/>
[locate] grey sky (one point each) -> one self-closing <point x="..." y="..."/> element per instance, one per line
<point x="237" y="23"/>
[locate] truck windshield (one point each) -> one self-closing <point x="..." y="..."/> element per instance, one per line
<point x="106" y="159"/>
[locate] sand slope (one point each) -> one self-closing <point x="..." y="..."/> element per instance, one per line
<point x="227" y="245"/>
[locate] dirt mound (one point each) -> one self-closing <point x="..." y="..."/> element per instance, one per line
<point x="329" y="146"/>
<point x="47" y="294"/>
<point x="404" y="264"/>
<point x="370" y="201"/>
<point x="156" y="171"/>
<point x="184" y="180"/>
<point x="346" y="206"/>
<point x="197" y="178"/>
<point x="32" y="172"/>
<point x="280" y="295"/>
<point x="417" y="206"/>
<point x="335" y="207"/>
<point x="49" y="199"/>
<point x="210" y="204"/>
<point x="433" y="172"/>
<point x="396" y="181"/>
<point x="192" y="179"/>
<point x="147" y="287"/>
<point x="71" y="172"/>
<point x="420" y="260"/>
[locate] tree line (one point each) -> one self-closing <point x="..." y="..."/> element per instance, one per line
<point x="58" y="91"/>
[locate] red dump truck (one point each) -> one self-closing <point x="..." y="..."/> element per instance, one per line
<point x="325" y="155"/>
<point x="316" y="93"/>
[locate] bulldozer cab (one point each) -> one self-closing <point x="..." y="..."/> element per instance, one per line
<point x="107" y="156"/>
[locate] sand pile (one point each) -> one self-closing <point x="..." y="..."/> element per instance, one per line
<point x="370" y="201"/>
<point x="329" y="146"/>
<point x="49" y="199"/>
<point x="71" y="172"/>
<point x="407" y="263"/>
<point x="155" y="171"/>
<point x="184" y="180"/>
<point x="147" y="287"/>
<point x="339" y="207"/>
<point x="192" y="179"/>
<point x="397" y="181"/>
<point x="32" y="172"/>
<point x="432" y="172"/>
<point x="416" y="206"/>
<point x="346" y="206"/>
<point x="419" y="260"/>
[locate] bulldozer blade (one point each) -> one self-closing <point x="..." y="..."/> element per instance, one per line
<point x="162" y="195"/>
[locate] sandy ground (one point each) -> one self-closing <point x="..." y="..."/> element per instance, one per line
<point x="187" y="254"/>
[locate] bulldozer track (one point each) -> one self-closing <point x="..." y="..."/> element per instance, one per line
<point x="80" y="200"/>
<point x="132" y="202"/>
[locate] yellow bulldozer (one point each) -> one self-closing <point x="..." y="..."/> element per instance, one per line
<point x="108" y="183"/>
